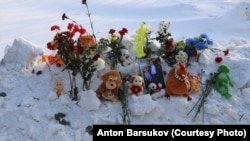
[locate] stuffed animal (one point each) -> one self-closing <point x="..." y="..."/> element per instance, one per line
<point x="59" y="87"/>
<point x="195" y="83"/>
<point x="136" y="85"/>
<point x="170" y="51"/>
<point x="223" y="81"/>
<point x="126" y="57"/>
<point x="108" y="89"/>
<point x="154" y="87"/>
<point x="180" y="82"/>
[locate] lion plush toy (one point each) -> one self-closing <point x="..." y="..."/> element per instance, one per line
<point x="181" y="82"/>
<point x="136" y="84"/>
<point x="108" y="89"/>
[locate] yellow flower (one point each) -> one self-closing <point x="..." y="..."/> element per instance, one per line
<point x="114" y="37"/>
<point x="87" y="41"/>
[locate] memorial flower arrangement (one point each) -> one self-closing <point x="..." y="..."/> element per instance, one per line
<point x="196" y="44"/>
<point x="115" y="43"/>
<point x="77" y="50"/>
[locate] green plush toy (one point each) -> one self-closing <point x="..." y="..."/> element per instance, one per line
<point x="223" y="81"/>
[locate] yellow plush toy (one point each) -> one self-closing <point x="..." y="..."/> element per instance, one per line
<point x="59" y="87"/>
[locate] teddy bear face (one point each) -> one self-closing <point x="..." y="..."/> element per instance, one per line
<point x="136" y="85"/>
<point x="169" y="45"/>
<point x="137" y="80"/>
<point x="125" y="54"/>
<point x="112" y="82"/>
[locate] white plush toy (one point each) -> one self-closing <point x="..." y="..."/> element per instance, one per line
<point x="126" y="57"/>
<point x="136" y="85"/>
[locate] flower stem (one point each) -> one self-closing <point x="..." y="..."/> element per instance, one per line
<point x="124" y="101"/>
<point x="90" y="21"/>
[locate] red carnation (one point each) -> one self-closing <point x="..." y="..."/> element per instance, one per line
<point x="218" y="59"/>
<point x="95" y="58"/>
<point x="121" y="32"/>
<point x="70" y="26"/>
<point x="125" y="30"/>
<point x="77" y="49"/>
<point x="82" y="31"/>
<point x="111" y="31"/>
<point x="54" y="27"/>
<point x="226" y="52"/>
<point x="76" y="28"/>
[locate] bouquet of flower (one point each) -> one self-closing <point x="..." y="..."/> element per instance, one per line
<point x="115" y="43"/>
<point x="198" y="43"/>
<point x="77" y="50"/>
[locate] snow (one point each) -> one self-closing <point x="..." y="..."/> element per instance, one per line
<point x="29" y="107"/>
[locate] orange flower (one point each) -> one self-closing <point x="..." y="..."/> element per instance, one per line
<point x="52" y="59"/>
<point x="87" y="41"/>
<point x="45" y="58"/>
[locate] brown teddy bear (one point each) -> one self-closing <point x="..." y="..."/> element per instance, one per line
<point x="170" y="51"/>
<point x="108" y="89"/>
<point x="181" y="82"/>
<point x="136" y="85"/>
